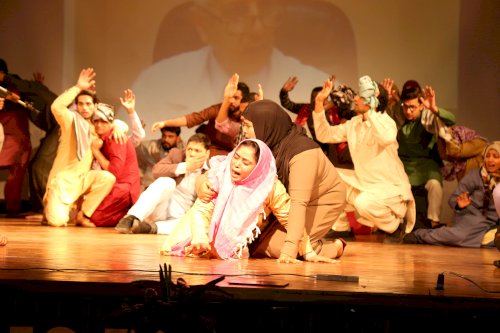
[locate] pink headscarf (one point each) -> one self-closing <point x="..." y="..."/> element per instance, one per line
<point x="237" y="206"/>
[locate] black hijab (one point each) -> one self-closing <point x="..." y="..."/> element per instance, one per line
<point x="273" y="125"/>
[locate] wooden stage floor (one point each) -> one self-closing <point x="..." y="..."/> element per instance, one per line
<point x="82" y="278"/>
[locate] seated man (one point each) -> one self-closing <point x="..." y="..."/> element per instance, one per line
<point x="151" y="152"/>
<point x="417" y="139"/>
<point x="169" y="197"/>
<point x="119" y="159"/>
<point x="378" y="190"/>
<point x="71" y="177"/>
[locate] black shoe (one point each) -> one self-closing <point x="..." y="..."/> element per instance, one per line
<point x="410" y="238"/>
<point x="139" y="227"/>
<point x="397" y="236"/>
<point x="125" y="224"/>
<point x="394" y="238"/>
<point x="345" y="235"/>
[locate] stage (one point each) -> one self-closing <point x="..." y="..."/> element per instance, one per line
<point x="96" y="280"/>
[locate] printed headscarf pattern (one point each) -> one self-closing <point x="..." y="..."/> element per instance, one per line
<point x="461" y="135"/>
<point x="490" y="180"/>
<point x="237" y="206"/>
<point x="368" y="90"/>
<point x="275" y="127"/>
<point x="343" y="98"/>
<point x="104" y="112"/>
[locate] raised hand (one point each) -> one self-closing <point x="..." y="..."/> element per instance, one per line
<point x="260" y="97"/>
<point x="232" y="86"/>
<point x="324" y="93"/>
<point x="290" y="83"/>
<point x="387" y="84"/>
<point x="429" y="99"/>
<point x="128" y="100"/>
<point x="86" y="80"/>
<point x="157" y="126"/>
<point x="38" y="77"/>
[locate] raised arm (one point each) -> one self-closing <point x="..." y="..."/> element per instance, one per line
<point x="285" y="101"/>
<point x="174" y="122"/>
<point x="229" y="91"/>
<point x="128" y="102"/>
<point x="86" y="81"/>
<point x="323" y="130"/>
<point x="429" y="101"/>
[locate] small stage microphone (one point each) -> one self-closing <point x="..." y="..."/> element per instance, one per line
<point x="440" y="282"/>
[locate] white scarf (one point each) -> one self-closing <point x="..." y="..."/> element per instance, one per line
<point x="82" y="132"/>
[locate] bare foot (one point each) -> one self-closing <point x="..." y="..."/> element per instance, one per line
<point x="341" y="244"/>
<point x="83" y="221"/>
<point x="3" y="240"/>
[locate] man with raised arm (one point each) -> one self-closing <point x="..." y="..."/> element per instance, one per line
<point x="71" y="177"/>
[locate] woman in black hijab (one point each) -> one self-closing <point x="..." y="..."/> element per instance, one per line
<point x="316" y="191"/>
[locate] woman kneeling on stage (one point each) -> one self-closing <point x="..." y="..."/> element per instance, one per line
<point x="247" y="192"/>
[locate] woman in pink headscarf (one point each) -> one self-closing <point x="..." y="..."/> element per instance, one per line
<point x="223" y="227"/>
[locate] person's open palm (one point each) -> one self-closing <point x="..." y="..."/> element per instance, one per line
<point x="128" y="100"/>
<point x="429" y="100"/>
<point x="290" y="83"/>
<point x="232" y="86"/>
<point x="325" y="92"/>
<point x="463" y="200"/>
<point x="86" y="80"/>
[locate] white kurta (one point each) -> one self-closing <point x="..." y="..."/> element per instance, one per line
<point x="379" y="181"/>
<point x="164" y="202"/>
